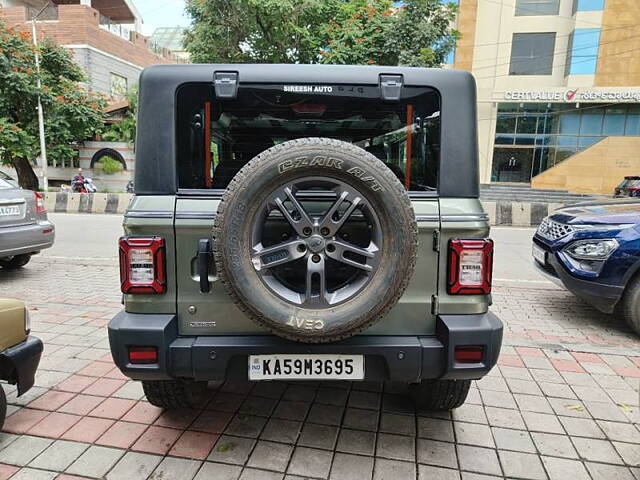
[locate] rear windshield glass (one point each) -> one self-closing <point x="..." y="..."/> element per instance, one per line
<point x="6" y="182"/>
<point x="217" y="137"/>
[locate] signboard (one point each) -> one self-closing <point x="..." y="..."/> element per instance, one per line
<point x="574" y="96"/>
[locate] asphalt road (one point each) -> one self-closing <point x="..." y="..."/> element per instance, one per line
<point x="86" y="237"/>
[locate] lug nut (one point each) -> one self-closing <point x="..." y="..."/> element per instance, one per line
<point x="324" y="231"/>
<point x="315" y="258"/>
<point x="301" y="248"/>
<point x="331" y="248"/>
<point x="306" y="231"/>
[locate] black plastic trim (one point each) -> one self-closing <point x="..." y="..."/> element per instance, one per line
<point x="23" y="360"/>
<point x="397" y="358"/>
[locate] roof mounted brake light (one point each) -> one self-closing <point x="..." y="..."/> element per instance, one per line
<point x="225" y="84"/>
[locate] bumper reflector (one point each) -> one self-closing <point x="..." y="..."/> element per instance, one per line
<point x="141" y="355"/>
<point x="468" y="354"/>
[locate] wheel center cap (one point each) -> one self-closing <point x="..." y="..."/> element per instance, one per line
<point x="316" y="243"/>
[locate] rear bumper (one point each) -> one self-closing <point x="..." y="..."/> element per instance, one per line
<point x="395" y="358"/>
<point x="23" y="239"/>
<point x="18" y="364"/>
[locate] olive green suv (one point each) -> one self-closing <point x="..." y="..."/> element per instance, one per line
<point x="301" y="222"/>
<point x="19" y="351"/>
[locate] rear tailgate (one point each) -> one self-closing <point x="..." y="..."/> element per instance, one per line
<point x="214" y="313"/>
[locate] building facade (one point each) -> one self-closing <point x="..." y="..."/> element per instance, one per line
<point x="104" y="36"/>
<point x="558" y="90"/>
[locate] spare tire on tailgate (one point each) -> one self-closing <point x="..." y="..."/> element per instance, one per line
<point x="315" y="239"/>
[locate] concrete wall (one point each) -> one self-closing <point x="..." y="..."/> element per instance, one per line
<point x="598" y="169"/>
<point x="115" y="182"/>
<point x="618" y="59"/>
<point x="467" y="17"/>
<point x="100" y="65"/>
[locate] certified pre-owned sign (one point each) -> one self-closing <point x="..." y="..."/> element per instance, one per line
<point x="574" y="95"/>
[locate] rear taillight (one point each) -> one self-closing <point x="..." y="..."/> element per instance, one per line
<point x="470" y="266"/>
<point x="39" y="203"/>
<point x="142" y="265"/>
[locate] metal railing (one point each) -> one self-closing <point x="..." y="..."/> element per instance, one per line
<point x="49" y="13"/>
<point x="115" y="28"/>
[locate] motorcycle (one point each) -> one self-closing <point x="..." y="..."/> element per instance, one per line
<point x="84" y="185"/>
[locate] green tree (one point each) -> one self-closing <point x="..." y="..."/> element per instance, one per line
<point x="71" y="113"/>
<point x="270" y="31"/>
<point x="419" y="33"/>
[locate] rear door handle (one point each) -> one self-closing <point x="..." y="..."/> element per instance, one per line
<point x="204" y="258"/>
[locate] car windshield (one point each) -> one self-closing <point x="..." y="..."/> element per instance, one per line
<point x="6" y="182"/>
<point x="629" y="183"/>
<point x="216" y="138"/>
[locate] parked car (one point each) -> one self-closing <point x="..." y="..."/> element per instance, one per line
<point x="24" y="227"/>
<point x="19" y="351"/>
<point x="629" y="187"/>
<point x="593" y="250"/>
<point x="348" y="239"/>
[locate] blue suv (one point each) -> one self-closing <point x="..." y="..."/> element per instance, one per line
<point x="593" y="250"/>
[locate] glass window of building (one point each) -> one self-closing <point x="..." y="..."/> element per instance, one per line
<point x="533" y="137"/>
<point x="582" y="56"/>
<point x="532" y="53"/>
<point x="537" y="7"/>
<point x="587" y="5"/>
<point x="118" y="86"/>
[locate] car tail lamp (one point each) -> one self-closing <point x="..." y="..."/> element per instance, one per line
<point x="470" y="266"/>
<point x="142" y="265"/>
<point x="39" y="203"/>
<point x="468" y="354"/>
<point x="142" y="355"/>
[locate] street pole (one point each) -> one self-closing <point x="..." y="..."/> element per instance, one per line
<point x="43" y="146"/>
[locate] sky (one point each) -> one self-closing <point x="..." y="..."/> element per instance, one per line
<point x="161" y="13"/>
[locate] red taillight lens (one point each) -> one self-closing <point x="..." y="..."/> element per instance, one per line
<point x="39" y="203"/>
<point x="142" y="265"/>
<point x="470" y="266"/>
<point x="143" y="355"/>
<point x="468" y="354"/>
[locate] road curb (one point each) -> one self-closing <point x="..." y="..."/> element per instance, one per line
<point x="516" y="214"/>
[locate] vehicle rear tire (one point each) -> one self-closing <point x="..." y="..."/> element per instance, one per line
<point x="301" y="310"/>
<point x="3" y="407"/>
<point x="15" y="262"/>
<point x="174" y="394"/>
<point x="440" y="394"/>
<point x="629" y="306"/>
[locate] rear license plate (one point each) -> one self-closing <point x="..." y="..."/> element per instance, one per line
<point x="539" y="254"/>
<point x="306" y="367"/>
<point x="9" y="211"/>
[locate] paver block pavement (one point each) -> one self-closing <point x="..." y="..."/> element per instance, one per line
<point x="95" y="462"/>
<point x="564" y="398"/>
<point x="134" y="465"/>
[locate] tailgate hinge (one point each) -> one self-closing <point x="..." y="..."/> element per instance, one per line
<point x="434" y="304"/>
<point x="436" y="240"/>
<point x="390" y="86"/>
<point x="225" y="84"/>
